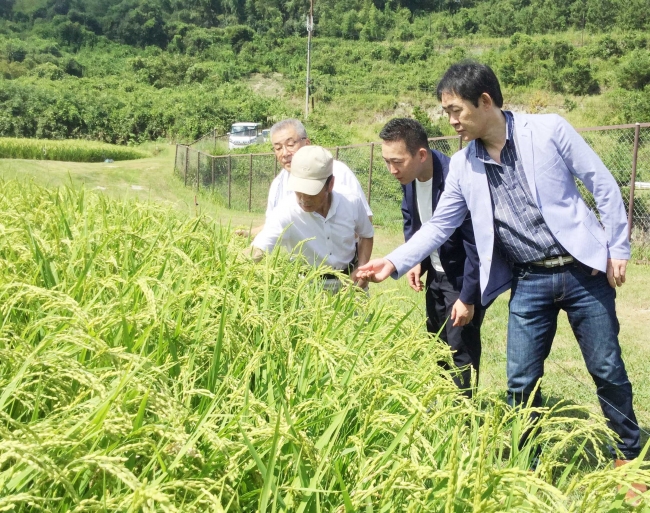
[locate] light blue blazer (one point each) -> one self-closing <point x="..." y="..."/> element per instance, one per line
<point x="553" y="154"/>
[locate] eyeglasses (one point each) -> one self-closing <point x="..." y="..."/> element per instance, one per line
<point x="289" y="144"/>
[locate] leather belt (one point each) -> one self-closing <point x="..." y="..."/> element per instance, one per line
<point x="554" y="261"/>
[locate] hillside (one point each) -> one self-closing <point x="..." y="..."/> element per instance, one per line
<point x="128" y="72"/>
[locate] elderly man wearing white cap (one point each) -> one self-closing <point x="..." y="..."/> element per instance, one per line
<point x="325" y="219"/>
<point x="287" y="137"/>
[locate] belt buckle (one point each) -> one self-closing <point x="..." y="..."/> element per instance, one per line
<point x="559" y="261"/>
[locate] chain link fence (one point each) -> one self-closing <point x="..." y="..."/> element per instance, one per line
<point x="242" y="181"/>
<point x="211" y="143"/>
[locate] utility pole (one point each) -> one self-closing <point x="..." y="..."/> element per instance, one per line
<point x="310" y="29"/>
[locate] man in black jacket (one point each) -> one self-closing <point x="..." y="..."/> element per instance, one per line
<point x="453" y="296"/>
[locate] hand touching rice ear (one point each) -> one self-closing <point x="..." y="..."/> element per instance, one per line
<point x="376" y="271"/>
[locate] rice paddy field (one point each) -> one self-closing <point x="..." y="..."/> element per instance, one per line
<point x="147" y="365"/>
<point x="69" y="150"/>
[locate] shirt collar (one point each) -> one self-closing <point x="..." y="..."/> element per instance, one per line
<point x="332" y="211"/>
<point x="481" y="151"/>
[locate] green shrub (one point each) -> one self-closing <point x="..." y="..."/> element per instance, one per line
<point x="631" y="106"/>
<point x="634" y="70"/>
<point x="578" y="79"/>
<point x="48" y="71"/>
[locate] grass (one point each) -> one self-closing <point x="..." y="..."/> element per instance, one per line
<point x="74" y="150"/>
<point x="145" y="365"/>
<point x="148" y="179"/>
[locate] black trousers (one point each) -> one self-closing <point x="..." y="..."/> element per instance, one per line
<point x="464" y="341"/>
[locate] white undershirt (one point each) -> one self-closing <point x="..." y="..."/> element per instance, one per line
<point x="329" y="240"/>
<point x="424" y="197"/>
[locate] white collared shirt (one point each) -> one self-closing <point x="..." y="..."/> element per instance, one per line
<point x="424" y="198"/>
<point x="329" y="240"/>
<point x="344" y="181"/>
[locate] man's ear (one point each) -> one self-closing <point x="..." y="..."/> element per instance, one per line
<point x="307" y="141"/>
<point x="331" y="187"/>
<point x="422" y="153"/>
<point x="485" y="101"/>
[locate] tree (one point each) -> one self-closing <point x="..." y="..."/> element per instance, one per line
<point x="143" y="26"/>
<point x="634" y="15"/>
<point x="238" y="35"/>
<point x="599" y="14"/>
<point x="6" y="8"/>
<point x="373" y="29"/>
<point x="350" y="25"/>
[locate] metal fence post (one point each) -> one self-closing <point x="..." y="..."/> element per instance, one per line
<point x="635" y="154"/>
<point x="460" y="142"/>
<point x="198" y="169"/>
<point x="372" y="159"/>
<point x="229" y="179"/>
<point x="175" y="158"/>
<point x="212" y="172"/>
<point x="250" y="183"/>
<point x="337" y="153"/>
<point x="187" y="157"/>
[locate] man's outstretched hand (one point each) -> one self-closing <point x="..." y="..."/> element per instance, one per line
<point x="376" y="270"/>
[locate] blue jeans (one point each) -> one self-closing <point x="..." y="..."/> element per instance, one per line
<point x="538" y="294"/>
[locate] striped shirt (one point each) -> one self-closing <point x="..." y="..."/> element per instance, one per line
<point x="521" y="233"/>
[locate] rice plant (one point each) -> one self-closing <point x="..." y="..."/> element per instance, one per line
<point x="71" y="150"/>
<point x="146" y="365"/>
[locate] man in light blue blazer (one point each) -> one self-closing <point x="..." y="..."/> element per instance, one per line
<point x="534" y="235"/>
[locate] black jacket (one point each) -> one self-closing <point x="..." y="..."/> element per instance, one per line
<point x="458" y="254"/>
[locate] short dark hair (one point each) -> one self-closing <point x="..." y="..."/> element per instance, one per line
<point x="469" y="80"/>
<point x="408" y="130"/>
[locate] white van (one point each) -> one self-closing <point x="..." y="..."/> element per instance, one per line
<point x="244" y="134"/>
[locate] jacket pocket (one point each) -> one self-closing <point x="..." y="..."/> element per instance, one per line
<point x="595" y="228"/>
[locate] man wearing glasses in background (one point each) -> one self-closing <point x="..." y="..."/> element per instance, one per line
<point x="287" y="137"/>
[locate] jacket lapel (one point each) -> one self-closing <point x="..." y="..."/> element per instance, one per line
<point x="413" y="206"/>
<point x="480" y="203"/>
<point x="525" y="152"/>
<point x="437" y="186"/>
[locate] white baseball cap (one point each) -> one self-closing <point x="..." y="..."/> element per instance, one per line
<point x="311" y="166"/>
